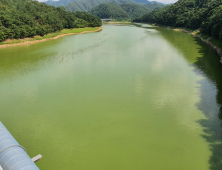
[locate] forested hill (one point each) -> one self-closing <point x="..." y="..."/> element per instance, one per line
<point x="58" y="3"/>
<point x="192" y="14"/>
<point x="86" y="5"/>
<point x="147" y="2"/>
<point x="153" y="6"/>
<point x="132" y="8"/>
<point x="66" y="2"/>
<point x="26" y="18"/>
<point x="135" y="11"/>
<point x="119" y="12"/>
<point x="109" y="11"/>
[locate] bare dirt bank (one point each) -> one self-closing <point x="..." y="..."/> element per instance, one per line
<point x="30" y="41"/>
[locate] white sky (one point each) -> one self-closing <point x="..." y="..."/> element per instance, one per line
<point x="163" y="1"/>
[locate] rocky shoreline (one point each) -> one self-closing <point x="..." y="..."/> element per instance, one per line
<point x="218" y="50"/>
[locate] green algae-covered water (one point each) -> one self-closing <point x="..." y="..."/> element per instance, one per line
<point x="129" y="97"/>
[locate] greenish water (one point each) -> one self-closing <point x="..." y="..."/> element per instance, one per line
<point x="128" y="97"/>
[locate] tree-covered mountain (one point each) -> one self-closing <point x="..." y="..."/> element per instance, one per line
<point x="26" y="18"/>
<point x="134" y="10"/>
<point x="129" y="8"/>
<point x="155" y="6"/>
<point x="192" y="14"/>
<point x="86" y="5"/>
<point x="58" y="3"/>
<point x="66" y="2"/>
<point x="121" y="11"/>
<point x="109" y="11"/>
<point x="147" y="2"/>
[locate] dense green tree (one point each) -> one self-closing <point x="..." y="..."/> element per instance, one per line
<point x="147" y="2"/>
<point x="92" y="3"/>
<point x="26" y="18"/>
<point x="110" y="11"/>
<point x="120" y="11"/>
<point x="58" y="3"/>
<point x="153" y="6"/>
<point x="86" y="5"/>
<point x="192" y="14"/>
<point x="134" y="10"/>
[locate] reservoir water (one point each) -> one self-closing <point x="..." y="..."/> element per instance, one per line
<point x="130" y="97"/>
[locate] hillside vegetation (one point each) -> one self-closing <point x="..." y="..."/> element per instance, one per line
<point x="26" y="18"/>
<point x="135" y="11"/>
<point x="119" y="12"/>
<point x="66" y="2"/>
<point x="58" y="3"/>
<point x="148" y="2"/>
<point x="153" y="6"/>
<point x="109" y="11"/>
<point x="191" y="14"/>
<point x="121" y="9"/>
<point x="86" y="5"/>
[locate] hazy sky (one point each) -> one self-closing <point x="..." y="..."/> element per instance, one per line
<point x="163" y="1"/>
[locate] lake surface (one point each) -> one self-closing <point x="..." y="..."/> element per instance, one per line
<point x="131" y="97"/>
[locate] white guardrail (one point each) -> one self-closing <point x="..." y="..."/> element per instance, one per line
<point x="12" y="155"/>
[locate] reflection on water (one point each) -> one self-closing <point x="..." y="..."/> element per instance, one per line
<point x="139" y="86"/>
<point x="129" y="97"/>
<point x="206" y="64"/>
<point x="210" y="103"/>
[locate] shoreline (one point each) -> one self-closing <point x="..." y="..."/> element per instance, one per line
<point x="119" y="22"/>
<point x="27" y="41"/>
<point x="217" y="49"/>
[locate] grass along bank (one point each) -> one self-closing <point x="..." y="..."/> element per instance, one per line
<point x="55" y="35"/>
